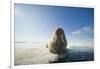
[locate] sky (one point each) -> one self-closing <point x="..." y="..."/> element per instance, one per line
<point x="35" y="23"/>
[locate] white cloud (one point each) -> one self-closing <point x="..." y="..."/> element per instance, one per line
<point x="77" y="32"/>
<point x="83" y="30"/>
<point x="87" y="29"/>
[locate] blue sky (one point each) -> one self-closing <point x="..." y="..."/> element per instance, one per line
<point x="35" y="23"/>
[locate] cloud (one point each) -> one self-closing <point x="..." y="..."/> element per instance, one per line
<point x="87" y="29"/>
<point x="77" y="32"/>
<point x="83" y="30"/>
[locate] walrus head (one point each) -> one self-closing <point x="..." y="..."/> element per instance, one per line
<point x="59" y="32"/>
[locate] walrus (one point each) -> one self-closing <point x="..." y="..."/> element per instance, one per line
<point x="58" y="42"/>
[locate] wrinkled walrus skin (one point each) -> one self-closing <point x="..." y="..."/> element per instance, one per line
<point x="58" y="42"/>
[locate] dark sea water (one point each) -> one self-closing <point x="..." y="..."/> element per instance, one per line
<point x="77" y="54"/>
